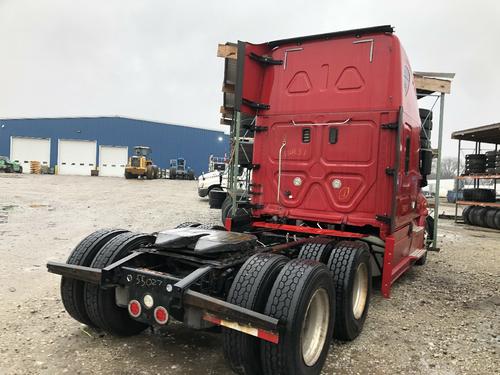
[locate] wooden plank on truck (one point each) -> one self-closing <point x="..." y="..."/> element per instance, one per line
<point x="227" y="51"/>
<point x="227" y="111"/>
<point x="228" y="88"/>
<point x="432" y="84"/>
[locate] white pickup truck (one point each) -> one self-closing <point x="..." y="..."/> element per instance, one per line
<point x="210" y="180"/>
<point x="218" y="180"/>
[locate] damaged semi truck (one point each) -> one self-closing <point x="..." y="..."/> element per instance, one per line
<point x="336" y="170"/>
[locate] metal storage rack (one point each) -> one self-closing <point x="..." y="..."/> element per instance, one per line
<point x="488" y="134"/>
<point x="436" y="85"/>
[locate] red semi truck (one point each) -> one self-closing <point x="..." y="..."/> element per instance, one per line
<point x="336" y="169"/>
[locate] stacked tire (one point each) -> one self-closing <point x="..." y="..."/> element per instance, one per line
<point x="492" y="162"/>
<point x="475" y="164"/>
<point x="488" y="217"/>
<point x="479" y="195"/>
<point x="425" y="131"/>
<point x="425" y="144"/>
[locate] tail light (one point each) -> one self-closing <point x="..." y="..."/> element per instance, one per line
<point x="134" y="308"/>
<point x="161" y="315"/>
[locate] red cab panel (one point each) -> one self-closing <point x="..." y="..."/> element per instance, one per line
<point x="340" y="140"/>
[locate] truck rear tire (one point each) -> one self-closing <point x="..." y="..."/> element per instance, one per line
<point x="83" y="255"/>
<point x="303" y="298"/>
<point x="226" y="209"/>
<point x="250" y="290"/>
<point x="100" y="303"/>
<point x="318" y="250"/>
<point x="350" y="264"/>
<point x="240" y="220"/>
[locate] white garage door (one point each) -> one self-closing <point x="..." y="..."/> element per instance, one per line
<point x="23" y="150"/>
<point x="76" y="157"/>
<point x="112" y="160"/>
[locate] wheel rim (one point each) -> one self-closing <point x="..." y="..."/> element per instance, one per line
<point x="360" y="291"/>
<point x="315" y="327"/>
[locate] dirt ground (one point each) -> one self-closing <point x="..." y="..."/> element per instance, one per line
<point x="442" y="318"/>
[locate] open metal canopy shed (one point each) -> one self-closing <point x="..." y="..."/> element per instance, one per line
<point x="481" y="135"/>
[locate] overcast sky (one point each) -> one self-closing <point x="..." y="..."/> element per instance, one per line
<point x="157" y="59"/>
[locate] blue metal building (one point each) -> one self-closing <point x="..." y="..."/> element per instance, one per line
<point x="167" y="141"/>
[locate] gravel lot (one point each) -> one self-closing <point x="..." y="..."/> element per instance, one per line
<point x="443" y="318"/>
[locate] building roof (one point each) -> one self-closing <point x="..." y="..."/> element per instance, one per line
<point x="109" y="118"/>
<point x="483" y="134"/>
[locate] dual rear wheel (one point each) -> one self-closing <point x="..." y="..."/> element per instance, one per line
<point x="91" y="304"/>
<point x="100" y="303"/>
<point x="83" y="255"/>
<point x="324" y="293"/>
<point x="349" y="264"/>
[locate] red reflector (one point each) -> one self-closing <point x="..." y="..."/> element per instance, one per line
<point x="228" y="223"/>
<point x="134" y="308"/>
<point x="268" y="336"/>
<point x="212" y="319"/>
<point x="161" y="315"/>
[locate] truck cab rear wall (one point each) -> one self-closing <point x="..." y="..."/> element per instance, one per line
<point x="343" y="127"/>
<point x="341" y="180"/>
<point x="325" y="76"/>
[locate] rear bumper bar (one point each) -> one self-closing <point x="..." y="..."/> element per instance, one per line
<point x="214" y="310"/>
<point x="87" y="274"/>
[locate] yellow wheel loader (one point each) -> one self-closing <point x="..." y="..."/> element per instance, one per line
<point x="140" y="165"/>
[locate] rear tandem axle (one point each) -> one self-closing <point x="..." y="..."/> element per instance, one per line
<point x="288" y="294"/>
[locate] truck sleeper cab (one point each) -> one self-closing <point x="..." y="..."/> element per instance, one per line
<point x="335" y="198"/>
<point x="338" y="142"/>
